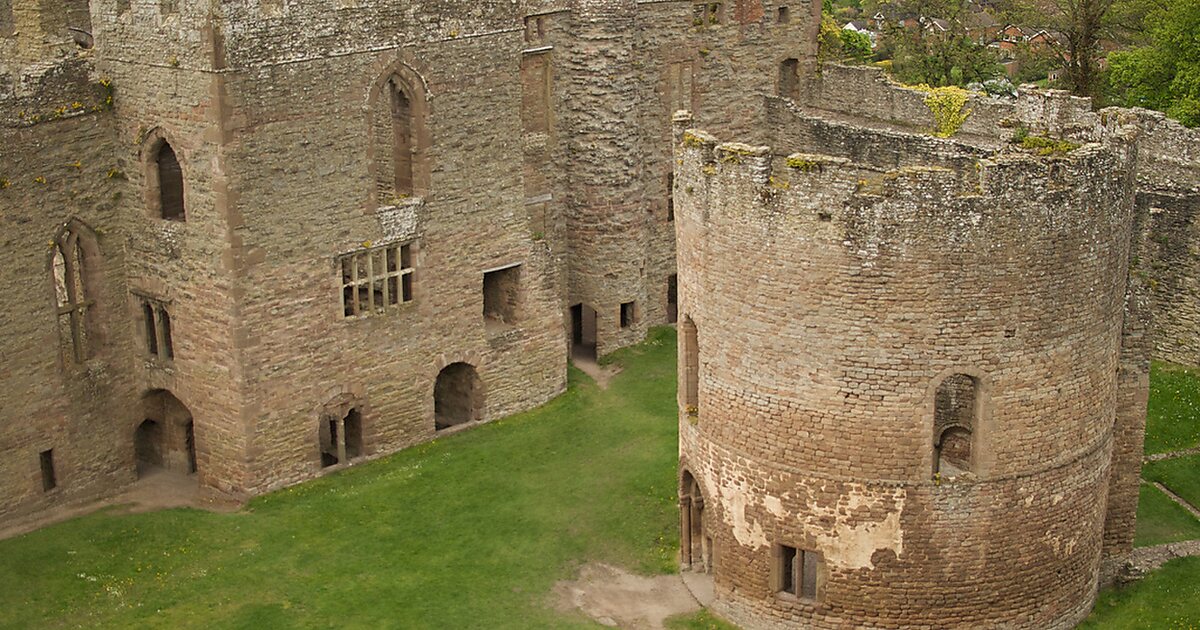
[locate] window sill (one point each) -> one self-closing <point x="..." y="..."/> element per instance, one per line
<point x="380" y="312"/>
<point x="795" y="602"/>
<point x="498" y="331"/>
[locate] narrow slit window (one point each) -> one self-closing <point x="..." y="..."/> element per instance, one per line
<point x="691" y="366"/>
<point x="156" y="321"/>
<point x="670" y="196"/>
<point x="49" y="478"/>
<point x="151" y="328"/>
<point x="167" y="343"/>
<point x="170" y="184"/>
<point x="783" y="16"/>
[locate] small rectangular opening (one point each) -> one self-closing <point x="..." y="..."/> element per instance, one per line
<point x="670" y="196"/>
<point x="783" y="17"/>
<point x="151" y="329"/>
<point x="501" y="295"/>
<point x="49" y="479"/>
<point x="787" y="570"/>
<point x="797" y="572"/>
<point x="164" y="320"/>
<point x="628" y="314"/>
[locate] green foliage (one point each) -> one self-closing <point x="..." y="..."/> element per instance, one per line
<point x="468" y="531"/>
<point x="702" y="620"/>
<point x="947" y="104"/>
<point x="829" y="40"/>
<point x="1168" y="599"/>
<point x="1173" y="419"/>
<point x="949" y="59"/>
<point x="855" y="46"/>
<point x="1043" y="145"/>
<point x="1161" y="520"/>
<point x="1164" y="75"/>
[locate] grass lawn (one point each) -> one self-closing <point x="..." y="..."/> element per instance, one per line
<point x="473" y="530"/>
<point x="1181" y="475"/>
<point x="1173" y="420"/>
<point x="702" y="620"/>
<point x="469" y="531"/>
<point x="1168" y="599"/>
<point x="1161" y="520"/>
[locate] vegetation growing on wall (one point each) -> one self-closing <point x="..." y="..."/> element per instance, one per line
<point x="948" y="106"/>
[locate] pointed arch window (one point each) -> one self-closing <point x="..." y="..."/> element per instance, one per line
<point x="170" y="183"/>
<point x="72" y="265"/>
<point x="400" y="138"/>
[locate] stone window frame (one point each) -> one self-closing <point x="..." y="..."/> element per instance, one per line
<point x="152" y="145"/>
<point x="535" y="28"/>
<point x="156" y="326"/>
<point x="708" y="13"/>
<point x="494" y="318"/>
<point x="628" y="315"/>
<point x="790" y="579"/>
<point x="49" y="471"/>
<point x="982" y="456"/>
<point x="74" y="266"/>
<point x="397" y="278"/>
<point x="415" y="88"/>
<point x="783" y="14"/>
<point x="689" y="354"/>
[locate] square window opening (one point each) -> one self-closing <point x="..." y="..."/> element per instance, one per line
<point x="501" y="295"/>
<point x="628" y="314"/>
<point x="797" y="572"/>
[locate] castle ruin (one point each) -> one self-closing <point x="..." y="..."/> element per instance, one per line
<point x="253" y="241"/>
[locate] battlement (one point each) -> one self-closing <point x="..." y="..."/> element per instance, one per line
<point x="942" y="189"/>
<point x="1168" y="152"/>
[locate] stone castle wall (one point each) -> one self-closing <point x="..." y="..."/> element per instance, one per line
<point x="548" y="146"/>
<point x="874" y="281"/>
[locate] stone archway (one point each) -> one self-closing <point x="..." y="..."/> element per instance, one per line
<point x="457" y="396"/>
<point x="694" y="545"/>
<point x="165" y="439"/>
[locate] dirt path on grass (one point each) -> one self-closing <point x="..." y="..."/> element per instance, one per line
<point x="620" y="599"/>
<point x="1156" y="457"/>
<point x="602" y="374"/>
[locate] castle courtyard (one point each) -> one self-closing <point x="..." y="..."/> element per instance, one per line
<point x="475" y="530"/>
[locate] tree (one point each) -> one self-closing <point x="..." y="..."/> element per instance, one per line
<point x="948" y="59"/>
<point x="1077" y="28"/>
<point x="1164" y="75"/>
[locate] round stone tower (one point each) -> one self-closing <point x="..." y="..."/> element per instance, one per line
<point x="898" y="385"/>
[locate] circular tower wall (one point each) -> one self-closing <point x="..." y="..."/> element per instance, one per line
<point x="898" y="390"/>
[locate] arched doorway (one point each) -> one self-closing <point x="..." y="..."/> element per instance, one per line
<point x="583" y="332"/>
<point x="165" y="440"/>
<point x="956" y="411"/>
<point x="341" y="437"/>
<point x="457" y="396"/>
<point x="694" y="546"/>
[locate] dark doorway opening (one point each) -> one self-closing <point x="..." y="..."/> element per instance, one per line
<point x="583" y="332"/>
<point x="457" y="396"/>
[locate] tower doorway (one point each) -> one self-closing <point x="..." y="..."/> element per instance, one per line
<point x="583" y="332"/>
